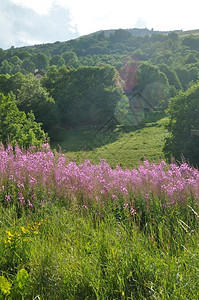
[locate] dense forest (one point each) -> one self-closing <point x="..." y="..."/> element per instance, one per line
<point x="107" y="75"/>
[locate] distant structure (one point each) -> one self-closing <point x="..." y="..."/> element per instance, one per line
<point x="38" y="74"/>
<point x="195" y="132"/>
<point x="139" y="105"/>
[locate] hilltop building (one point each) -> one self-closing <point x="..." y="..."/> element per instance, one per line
<point x="38" y="74"/>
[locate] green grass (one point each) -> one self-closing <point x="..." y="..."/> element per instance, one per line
<point x="60" y="252"/>
<point x="75" y="139"/>
<point x="78" y="255"/>
<point x="127" y="149"/>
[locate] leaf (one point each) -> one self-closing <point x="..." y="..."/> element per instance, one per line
<point x="5" y="285"/>
<point x="22" y="278"/>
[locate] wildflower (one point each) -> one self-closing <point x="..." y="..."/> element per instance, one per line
<point x="7" y="198"/>
<point x="133" y="211"/>
<point x="9" y="233"/>
<point x="125" y="205"/>
<point x="30" y="204"/>
<point x="24" y="230"/>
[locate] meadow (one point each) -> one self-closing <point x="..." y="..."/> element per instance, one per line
<point x="86" y="230"/>
<point x="127" y="147"/>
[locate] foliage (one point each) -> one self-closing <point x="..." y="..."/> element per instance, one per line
<point x="101" y="233"/>
<point x="88" y="95"/>
<point x="41" y="61"/>
<point x="153" y="84"/>
<point x="164" y="63"/>
<point x="187" y="75"/>
<point x="16" y="127"/>
<point x="11" y="83"/>
<point x="71" y="59"/>
<point x="87" y="231"/>
<point x="171" y="76"/>
<point x="28" y="65"/>
<point x="173" y="49"/>
<point x="183" y="116"/>
<point x="33" y="97"/>
<point x="92" y="186"/>
<point x="148" y="80"/>
<point x="5" y="286"/>
<point x="192" y="42"/>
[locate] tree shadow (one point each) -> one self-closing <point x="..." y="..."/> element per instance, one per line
<point x="88" y="138"/>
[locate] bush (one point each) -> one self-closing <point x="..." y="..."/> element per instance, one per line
<point x="16" y="127"/>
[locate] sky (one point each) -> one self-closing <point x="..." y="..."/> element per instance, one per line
<point x="29" y="22"/>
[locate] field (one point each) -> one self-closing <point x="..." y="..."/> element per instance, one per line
<point x="126" y="147"/>
<point x="94" y="230"/>
<point x="189" y="32"/>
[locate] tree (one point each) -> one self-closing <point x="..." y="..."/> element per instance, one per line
<point x="41" y="61"/>
<point x="28" y="65"/>
<point x="5" y="67"/>
<point x="23" y="54"/>
<point x="153" y="85"/>
<point x="33" y="97"/>
<point x="11" y="83"/>
<point x="172" y="76"/>
<point x="4" y="83"/>
<point x="191" y="57"/>
<point x="16" y="127"/>
<point x="54" y="60"/>
<point x="192" y="42"/>
<point x="71" y="59"/>
<point x="120" y="36"/>
<point x="148" y="74"/>
<point x="86" y="96"/>
<point x="61" y="62"/>
<point x="183" y="114"/>
<point x="183" y="75"/>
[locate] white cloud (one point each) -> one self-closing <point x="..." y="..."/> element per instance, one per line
<point x="90" y="15"/>
<point x="27" y="27"/>
<point x="41" y="7"/>
<point x="67" y="17"/>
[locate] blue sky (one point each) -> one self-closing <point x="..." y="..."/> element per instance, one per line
<point x="29" y="22"/>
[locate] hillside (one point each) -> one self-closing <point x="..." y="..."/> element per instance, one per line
<point x="108" y="75"/>
<point x="127" y="149"/>
<point x="115" y="43"/>
<point x="108" y="215"/>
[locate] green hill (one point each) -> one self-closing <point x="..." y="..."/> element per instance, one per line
<point x="127" y="149"/>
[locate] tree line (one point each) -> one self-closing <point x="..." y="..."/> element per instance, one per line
<point x="93" y="78"/>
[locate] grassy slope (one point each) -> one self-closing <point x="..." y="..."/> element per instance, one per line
<point x="189" y="32"/>
<point x="78" y="254"/>
<point x="128" y="150"/>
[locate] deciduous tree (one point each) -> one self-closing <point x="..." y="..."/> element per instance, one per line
<point x="16" y="127"/>
<point x="183" y="114"/>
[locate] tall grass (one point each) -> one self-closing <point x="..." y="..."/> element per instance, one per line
<point x="128" y="149"/>
<point x="88" y="231"/>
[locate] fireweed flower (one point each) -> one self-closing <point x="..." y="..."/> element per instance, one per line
<point x="7" y="198"/>
<point x="41" y="176"/>
<point x="133" y="211"/>
<point x="126" y="205"/>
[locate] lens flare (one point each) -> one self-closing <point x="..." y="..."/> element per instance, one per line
<point x="128" y="73"/>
